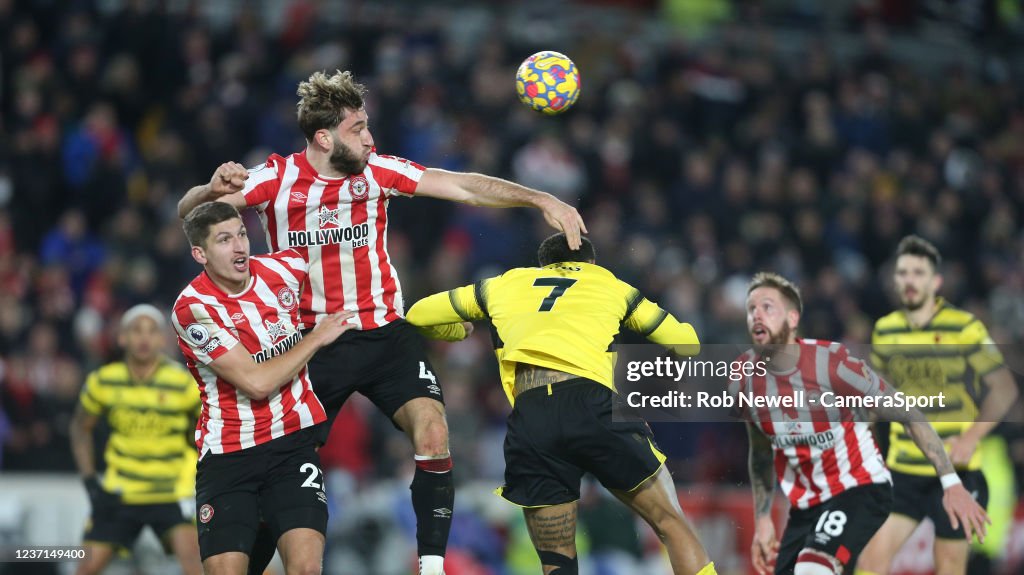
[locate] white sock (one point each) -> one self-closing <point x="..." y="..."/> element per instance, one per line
<point x="432" y="565"/>
<point x="805" y="568"/>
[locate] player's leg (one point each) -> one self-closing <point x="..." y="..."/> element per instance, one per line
<point x="908" y="510"/>
<point x="302" y="551"/>
<point x="838" y="529"/>
<point x="553" y="533"/>
<point x="656" y="502"/>
<point x="403" y="386"/>
<point x="110" y="531"/>
<point x="877" y="557"/>
<point x="951" y="556"/>
<point x="951" y="549"/>
<point x="433" y="489"/>
<point x="228" y="563"/>
<point x="97" y="557"/>
<point x="263" y="550"/>
<point x="228" y="508"/>
<point x="183" y="541"/>
<point x="293" y="502"/>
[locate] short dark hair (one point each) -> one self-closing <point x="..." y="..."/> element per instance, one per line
<point x="556" y="249"/>
<point x="787" y="288"/>
<point x="204" y="216"/>
<point x="325" y="100"/>
<point x="917" y="246"/>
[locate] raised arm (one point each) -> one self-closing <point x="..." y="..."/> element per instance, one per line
<point x="260" y="380"/>
<point x="765" y="547"/>
<point x="481" y="190"/>
<point x="447" y="315"/>
<point x="226" y="185"/>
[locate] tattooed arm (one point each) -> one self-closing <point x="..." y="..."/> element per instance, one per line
<point x="958" y="503"/>
<point x="762" y="472"/>
<point x="765" y="546"/>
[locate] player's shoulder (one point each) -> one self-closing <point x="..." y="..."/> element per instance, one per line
<point x="892" y="322"/>
<point x="113" y="372"/>
<point x="951" y="317"/>
<point x="195" y="292"/>
<point x="832" y="347"/>
<point x="172" y="372"/>
<point x="389" y="162"/>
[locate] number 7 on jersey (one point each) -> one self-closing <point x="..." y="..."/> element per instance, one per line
<point x="558" y="287"/>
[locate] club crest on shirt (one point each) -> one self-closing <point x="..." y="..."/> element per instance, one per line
<point x="197" y="334"/>
<point x="286" y="298"/>
<point x="276" y="329"/>
<point x="328" y="216"/>
<point x="358" y="187"/>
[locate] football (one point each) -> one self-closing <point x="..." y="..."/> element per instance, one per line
<point x="548" y="82"/>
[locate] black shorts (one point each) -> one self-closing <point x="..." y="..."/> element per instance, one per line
<point x="388" y="365"/>
<point x="279" y="482"/>
<point x="558" y="432"/>
<point x="120" y="524"/>
<point x="840" y="527"/>
<point x="920" y="496"/>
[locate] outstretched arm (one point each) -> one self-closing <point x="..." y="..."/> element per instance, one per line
<point x="447" y="315"/>
<point x="226" y="185"/>
<point x="958" y="503"/>
<point x="488" y="191"/>
<point x="765" y="547"/>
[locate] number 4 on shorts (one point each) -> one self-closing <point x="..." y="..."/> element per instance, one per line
<point x="426" y="374"/>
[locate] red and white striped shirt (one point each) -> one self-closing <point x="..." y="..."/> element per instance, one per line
<point x="819" y="451"/>
<point x="343" y="223"/>
<point x="263" y="318"/>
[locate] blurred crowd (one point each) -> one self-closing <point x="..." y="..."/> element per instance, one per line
<point x="695" y="163"/>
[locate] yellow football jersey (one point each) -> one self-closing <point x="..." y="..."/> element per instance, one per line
<point x="150" y="457"/>
<point x="950" y="355"/>
<point x="563" y="316"/>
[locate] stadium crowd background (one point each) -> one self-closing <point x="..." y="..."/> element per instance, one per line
<point x="712" y="139"/>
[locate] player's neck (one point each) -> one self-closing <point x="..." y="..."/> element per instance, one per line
<point x="141" y="370"/>
<point x="321" y="162"/>
<point x="229" y="287"/>
<point x="785" y="357"/>
<point x="918" y="318"/>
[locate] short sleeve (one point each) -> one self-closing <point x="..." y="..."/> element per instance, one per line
<point x="984" y="356"/>
<point x="853" y="377"/>
<point x="202" y="336"/>
<point x="291" y="264"/>
<point x="92" y="396"/>
<point x="264" y="182"/>
<point x="396" y="176"/>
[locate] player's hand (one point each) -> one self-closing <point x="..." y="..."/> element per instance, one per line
<point x="963" y="509"/>
<point x="331" y="326"/>
<point x="468" y="326"/>
<point x="765" y="548"/>
<point x="228" y="178"/>
<point x="564" y="218"/>
<point x="961" y="449"/>
<point x="100" y="499"/>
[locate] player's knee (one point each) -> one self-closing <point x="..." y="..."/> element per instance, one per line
<point x="814" y="562"/>
<point x="563" y="564"/>
<point x="874" y="560"/>
<point x="302" y="566"/>
<point x="431" y="437"/>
